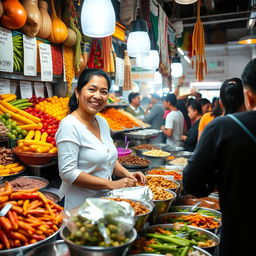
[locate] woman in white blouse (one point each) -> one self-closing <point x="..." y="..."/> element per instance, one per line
<point x="86" y="153"/>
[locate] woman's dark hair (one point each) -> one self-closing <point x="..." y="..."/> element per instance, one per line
<point x="195" y="105"/>
<point x="249" y="75"/>
<point x="180" y="105"/>
<point x="231" y="95"/>
<point x="132" y="95"/>
<point x="83" y="79"/>
<point x="171" y="98"/>
<point x="204" y="101"/>
<point x="217" y="110"/>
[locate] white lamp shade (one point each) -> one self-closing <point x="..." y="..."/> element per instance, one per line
<point x="185" y="1"/>
<point x="151" y="61"/>
<point x="177" y="69"/>
<point x="138" y="44"/>
<point x="98" y="18"/>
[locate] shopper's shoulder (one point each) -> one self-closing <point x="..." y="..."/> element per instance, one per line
<point x="68" y="121"/>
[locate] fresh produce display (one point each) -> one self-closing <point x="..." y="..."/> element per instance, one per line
<point x="88" y="233"/>
<point x="11" y="169"/>
<point x="177" y="241"/>
<point x="35" y="100"/>
<point x="6" y="156"/>
<point x="3" y="130"/>
<point x="119" y="117"/>
<point x="21" y="103"/>
<point x="138" y="207"/>
<point x="146" y="146"/>
<point x="14" y="130"/>
<point x="69" y="65"/>
<point x="32" y="217"/>
<point x="7" y="97"/>
<point x="18" y="63"/>
<point x="14" y="14"/>
<point x="113" y="125"/>
<point x="194" y="219"/>
<point x="204" y="211"/>
<point x="133" y="160"/>
<point x="156" y="153"/>
<point x="176" y="175"/>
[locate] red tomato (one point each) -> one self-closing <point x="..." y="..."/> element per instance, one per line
<point x="49" y="139"/>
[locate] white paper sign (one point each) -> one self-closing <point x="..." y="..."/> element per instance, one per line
<point x="46" y="62"/>
<point x="26" y="89"/>
<point x="5" y="86"/>
<point x="6" y="50"/>
<point x="39" y="89"/>
<point x="49" y="89"/>
<point x="30" y="56"/>
<point x="14" y="86"/>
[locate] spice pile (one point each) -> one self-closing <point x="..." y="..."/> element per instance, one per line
<point x="146" y="146"/>
<point x="133" y="160"/>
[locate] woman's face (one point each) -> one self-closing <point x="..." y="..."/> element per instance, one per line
<point x="192" y="113"/>
<point x="93" y="96"/>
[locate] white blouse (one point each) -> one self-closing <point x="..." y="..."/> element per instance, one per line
<point x="79" y="150"/>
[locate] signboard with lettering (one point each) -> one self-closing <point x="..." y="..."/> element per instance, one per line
<point x="30" y="56"/>
<point x="46" y="62"/>
<point x="6" y="50"/>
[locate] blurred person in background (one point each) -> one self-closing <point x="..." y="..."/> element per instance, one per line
<point x="195" y="114"/>
<point x="134" y="107"/>
<point x="181" y="106"/>
<point x="155" y="112"/>
<point x="174" y="123"/>
<point x="206" y="105"/>
<point x="224" y="154"/>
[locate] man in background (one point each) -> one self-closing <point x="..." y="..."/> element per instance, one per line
<point x="154" y="112"/>
<point x="134" y="107"/>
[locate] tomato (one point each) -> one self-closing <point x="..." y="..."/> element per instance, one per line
<point x="49" y="139"/>
<point x="43" y="130"/>
<point x="49" y="131"/>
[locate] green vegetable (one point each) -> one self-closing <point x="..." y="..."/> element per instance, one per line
<point x="20" y="101"/>
<point x="185" y="251"/>
<point x="163" y="247"/>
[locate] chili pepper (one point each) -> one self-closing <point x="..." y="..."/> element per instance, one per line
<point x="8" y="202"/>
<point x="8" y="189"/>
<point x="17" y="243"/>
<point x="34" y="204"/>
<point x="12" y="219"/>
<point x="18" y="235"/>
<point x="36" y="211"/>
<point x="21" y="195"/>
<point x="32" y="241"/>
<point x="17" y="209"/>
<point x="15" y="217"/>
<point x="45" y="200"/>
<point x="27" y="227"/>
<point x="4" y="240"/>
<point x="20" y="202"/>
<point x="5" y="224"/>
<point x="58" y="207"/>
<point x="38" y="237"/>
<point x="33" y="190"/>
<point x="3" y="199"/>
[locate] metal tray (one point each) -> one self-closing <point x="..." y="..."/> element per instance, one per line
<point x="143" y="134"/>
<point x="135" y="166"/>
<point x="185" y="154"/>
<point x="173" y="149"/>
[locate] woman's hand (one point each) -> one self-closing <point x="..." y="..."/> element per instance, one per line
<point x="183" y="137"/>
<point x="138" y="176"/>
<point x="123" y="183"/>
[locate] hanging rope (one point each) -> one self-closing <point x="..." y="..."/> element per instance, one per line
<point x="198" y="44"/>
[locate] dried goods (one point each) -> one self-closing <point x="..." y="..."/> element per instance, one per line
<point x="113" y="125"/>
<point x="146" y="146"/>
<point x="133" y="160"/>
<point x="161" y="193"/>
<point x="161" y="182"/>
<point x="179" y="161"/>
<point x="14" y="14"/>
<point x="138" y="207"/>
<point x="69" y="65"/>
<point x="6" y="156"/>
<point x="156" y="153"/>
<point x="176" y="175"/>
<point x="3" y="130"/>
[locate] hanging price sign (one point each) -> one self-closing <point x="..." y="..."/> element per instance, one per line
<point x="49" y="89"/>
<point x="26" y="91"/>
<point x="39" y="89"/>
<point x="5" y="86"/>
<point x="6" y="50"/>
<point x="14" y="86"/>
<point x="46" y="62"/>
<point x="30" y="56"/>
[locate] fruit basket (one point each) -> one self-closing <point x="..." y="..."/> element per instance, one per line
<point x="32" y="158"/>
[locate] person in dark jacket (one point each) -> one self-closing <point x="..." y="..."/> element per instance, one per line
<point x="195" y="114"/>
<point x="224" y="159"/>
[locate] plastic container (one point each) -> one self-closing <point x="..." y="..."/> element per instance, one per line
<point x="123" y="152"/>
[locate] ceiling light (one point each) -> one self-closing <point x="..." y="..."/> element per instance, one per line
<point x="151" y="61"/>
<point x="250" y="39"/>
<point x="138" y="42"/>
<point x="176" y="66"/>
<point x="187" y="59"/>
<point x="98" y="18"/>
<point x="180" y="51"/>
<point x="185" y="1"/>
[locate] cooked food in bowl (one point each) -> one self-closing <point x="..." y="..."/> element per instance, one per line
<point x="161" y="182"/>
<point x="146" y="146"/>
<point x="161" y="193"/>
<point x="133" y="160"/>
<point x="176" y="175"/>
<point x="179" y="161"/>
<point x="156" y="153"/>
<point x="25" y="183"/>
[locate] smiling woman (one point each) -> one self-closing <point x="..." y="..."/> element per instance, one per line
<point x="86" y="152"/>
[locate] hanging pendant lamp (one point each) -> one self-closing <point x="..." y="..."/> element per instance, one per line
<point x="176" y="66"/>
<point x="185" y="1"/>
<point x="138" y="43"/>
<point x="151" y="61"/>
<point x="98" y="18"/>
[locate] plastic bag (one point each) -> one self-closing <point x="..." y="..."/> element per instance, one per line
<point x="103" y="221"/>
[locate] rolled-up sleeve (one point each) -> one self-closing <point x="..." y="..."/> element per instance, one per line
<point x="67" y="159"/>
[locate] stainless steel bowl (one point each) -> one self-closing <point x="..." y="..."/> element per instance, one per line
<point x="186" y="208"/>
<point x="209" y="235"/>
<point x="161" y="206"/>
<point x="173" y="149"/>
<point x="81" y="250"/>
<point x="186" y="154"/>
<point x="59" y="248"/>
<point x="22" y="250"/>
<point x="162" y="216"/>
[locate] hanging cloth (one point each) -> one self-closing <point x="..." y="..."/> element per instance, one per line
<point x="154" y="22"/>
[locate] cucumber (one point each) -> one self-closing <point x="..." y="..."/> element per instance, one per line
<point x="24" y="105"/>
<point x="20" y="101"/>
